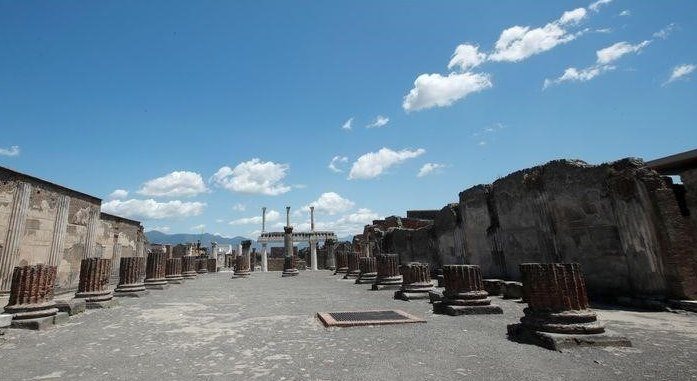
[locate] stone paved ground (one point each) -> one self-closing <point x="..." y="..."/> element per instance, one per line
<point x="216" y="328"/>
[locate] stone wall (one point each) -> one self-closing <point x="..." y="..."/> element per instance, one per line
<point x="118" y="237"/>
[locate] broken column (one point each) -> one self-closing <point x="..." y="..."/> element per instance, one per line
<point x="131" y="277"/>
<point x="558" y="314"/>
<point x="230" y="260"/>
<point x="173" y="271"/>
<point x="369" y="272"/>
<point x="94" y="283"/>
<point x="201" y="265"/>
<point x="330" y="262"/>
<point x="388" y="272"/>
<point x="464" y="292"/>
<point x="155" y="270"/>
<point x="242" y="268"/>
<point x="189" y="267"/>
<point x="212" y="265"/>
<point x="31" y="297"/>
<point x="341" y="262"/>
<point x="353" y="270"/>
<point x="289" y="267"/>
<point x="416" y="283"/>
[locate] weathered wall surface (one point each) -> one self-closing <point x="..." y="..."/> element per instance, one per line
<point x="449" y="241"/>
<point x="117" y="237"/>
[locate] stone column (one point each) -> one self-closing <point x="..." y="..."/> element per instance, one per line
<point x="242" y="268"/>
<point x="91" y="236"/>
<point x="416" y="281"/>
<point x="201" y="265"/>
<point x="264" y="258"/>
<point x="353" y="270"/>
<point x="59" y="230"/>
<point x="464" y="292"/>
<point x="173" y="271"/>
<point x="369" y="271"/>
<point x="289" y="267"/>
<point x="313" y="254"/>
<point x="558" y="314"/>
<point x="341" y="262"/>
<point x="31" y="297"/>
<point x="15" y="232"/>
<point x="330" y="260"/>
<point x="388" y="272"/>
<point x="155" y="270"/>
<point x="131" y="271"/>
<point x="189" y="267"/>
<point x="94" y="283"/>
<point x="212" y="265"/>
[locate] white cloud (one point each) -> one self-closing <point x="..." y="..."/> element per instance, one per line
<point x="162" y="229"/>
<point x="665" y="32"/>
<point x="616" y="51"/>
<point x="595" y="7"/>
<point x="680" y="72"/>
<point x="435" y="90"/>
<point x="151" y="209"/>
<point x="625" y="13"/>
<point x="118" y="194"/>
<point x="347" y="124"/>
<point x="578" y="75"/>
<point x="198" y="227"/>
<point x="337" y="160"/>
<point x="254" y="177"/>
<point x="380" y="121"/>
<point x="175" y="184"/>
<point x="330" y="203"/>
<point x="271" y="216"/>
<point x="429" y="168"/>
<point x="12" y="151"/>
<point x="239" y="207"/>
<point x="573" y="17"/>
<point x="372" y="164"/>
<point x="466" y="56"/>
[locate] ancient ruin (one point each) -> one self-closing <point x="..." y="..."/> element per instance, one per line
<point x="155" y="271"/>
<point x="173" y="271"/>
<point x="31" y="302"/>
<point x="388" y="276"/>
<point x="464" y="292"/>
<point x="242" y="267"/>
<point x="416" y="281"/>
<point x="94" y="283"/>
<point x="353" y="270"/>
<point x="131" y="277"/>
<point x="189" y="267"/>
<point x="368" y="270"/>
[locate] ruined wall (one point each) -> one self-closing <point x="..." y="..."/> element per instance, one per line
<point x="619" y="220"/>
<point x="689" y="180"/>
<point x="423" y="214"/>
<point x="449" y="240"/>
<point x="412" y="245"/>
<point x="117" y="237"/>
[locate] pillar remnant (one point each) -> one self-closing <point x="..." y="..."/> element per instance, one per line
<point x="330" y="260"/>
<point x="289" y="266"/>
<point x="230" y="260"/>
<point x="242" y="267"/>
<point x="173" y="271"/>
<point x="353" y="270"/>
<point x="416" y="283"/>
<point x="264" y="258"/>
<point x="341" y="262"/>
<point x="558" y="314"/>
<point x="464" y="293"/>
<point x="369" y="270"/>
<point x="9" y="252"/>
<point x="201" y="265"/>
<point x="31" y="301"/>
<point x="212" y="265"/>
<point x="131" y="272"/>
<point x="189" y="267"/>
<point x="155" y="271"/>
<point x="388" y="272"/>
<point x="94" y="283"/>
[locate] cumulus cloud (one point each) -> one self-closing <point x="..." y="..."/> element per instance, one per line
<point x="380" y="121"/>
<point x="330" y="203"/>
<point x="373" y="164"/>
<point x="429" y="168"/>
<point x="253" y="177"/>
<point x="118" y="194"/>
<point x="435" y="90"/>
<point x="151" y="209"/>
<point x="595" y="6"/>
<point x="12" y="151"/>
<point x="175" y="184"/>
<point x="578" y="75"/>
<point x="336" y="160"/>
<point x="347" y="124"/>
<point x="271" y="216"/>
<point x="616" y="51"/>
<point x="680" y="72"/>
<point x="466" y="56"/>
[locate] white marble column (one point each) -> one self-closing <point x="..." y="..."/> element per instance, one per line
<point x="91" y="236"/>
<point x="264" y="258"/>
<point x="15" y="231"/>
<point x="59" y="229"/>
<point x="313" y="254"/>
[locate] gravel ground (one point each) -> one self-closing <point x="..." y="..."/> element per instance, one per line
<point x="264" y="327"/>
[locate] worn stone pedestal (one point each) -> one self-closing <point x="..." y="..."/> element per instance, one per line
<point x="416" y="282"/>
<point x="353" y="271"/>
<point x="388" y="277"/>
<point x="94" y="283"/>
<point x="512" y="290"/>
<point x="31" y="302"/>
<point x="464" y="293"/>
<point x="558" y="315"/>
<point x="173" y="271"/>
<point x="341" y="263"/>
<point x="212" y="265"/>
<point x="289" y="263"/>
<point x="243" y="262"/>
<point x="155" y="271"/>
<point x="131" y="277"/>
<point x="230" y="261"/>
<point x="369" y="270"/>
<point x="189" y="266"/>
<point x="493" y="287"/>
<point x="72" y="306"/>
<point x="330" y="259"/>
<point x="289" y="267"/>
<point x="202" y="265"/>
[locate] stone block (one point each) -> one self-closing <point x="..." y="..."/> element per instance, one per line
<point x="60" y="318"/>
<point x="5" y="320"/>
<point x="35" y="324"/>
<point x="559" y="341"/>
<point x="512" y="290"/>
<point x="493" y="286"/>
<point x="435" y="296"/>
<point x="687" y="305"/>
<point x="71" y="306"/>
<point x="456" y="310"/>
<point x="103" y="304"/>
<point x="407" y="296"/>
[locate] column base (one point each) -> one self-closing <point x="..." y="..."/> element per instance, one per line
<point x="241" y="274"/>
<point x="382" y="286"/>
<point x="72" y="306"/>
<point x="156" y="284"/>
<point x="352" y="274"/>
<point x="435" y="296"/>
<point x="130" y="290"/>
<point x="35" y="324"/>
<point x="32" y="311"/>
<point x="131" y="294"/>
<point x="512" y="290"/>
<point x="368" y="278"/>
<point x="559" y="341"/>
<point x="408" y="295"/>
<point x="341" y="270"/>
<point x="103" y="304"/>
<point x="493" y="286"/>
<point x="178" y="279"/>
<point x="5" y="320"/>
<point x="290" y="272"/>
<point x="202" y="271"/>
<point x="189" y="275"/>
<point x="456" y="310"/>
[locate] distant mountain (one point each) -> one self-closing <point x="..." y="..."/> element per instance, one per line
<point x="155" y="236"/>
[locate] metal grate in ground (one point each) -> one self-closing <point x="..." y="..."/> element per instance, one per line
<point x="356" y="318"/>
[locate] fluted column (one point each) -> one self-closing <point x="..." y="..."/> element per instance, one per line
<point x="131" y="273"/>
<point x="201" y="265"/>
<point x="353" y="270"/>
<point x="94" y="282"/>
<point x="464" y="292"/>
<point x="31" y="293"/>
<point x="155" y="271"/>
<point x="189" y="267"/>
<point x="388" y="272"/>
<point x="313" y="254"/>
<point x="264" y="258"/>
<point x="330" y="260"/>
<point x="289" y="266"/>
<point x="242" y="268"/>
<point x="341" y="262"/>
<point x="173" y="271"/>
<point x="59" y="230"/>
<point x="416" y="281"/>
<point x="91" y="236"/>
<point x="15" y="231"/>
<point x="368" y="268"/>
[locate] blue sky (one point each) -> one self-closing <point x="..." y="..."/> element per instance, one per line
<point x="203" y="112"/>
